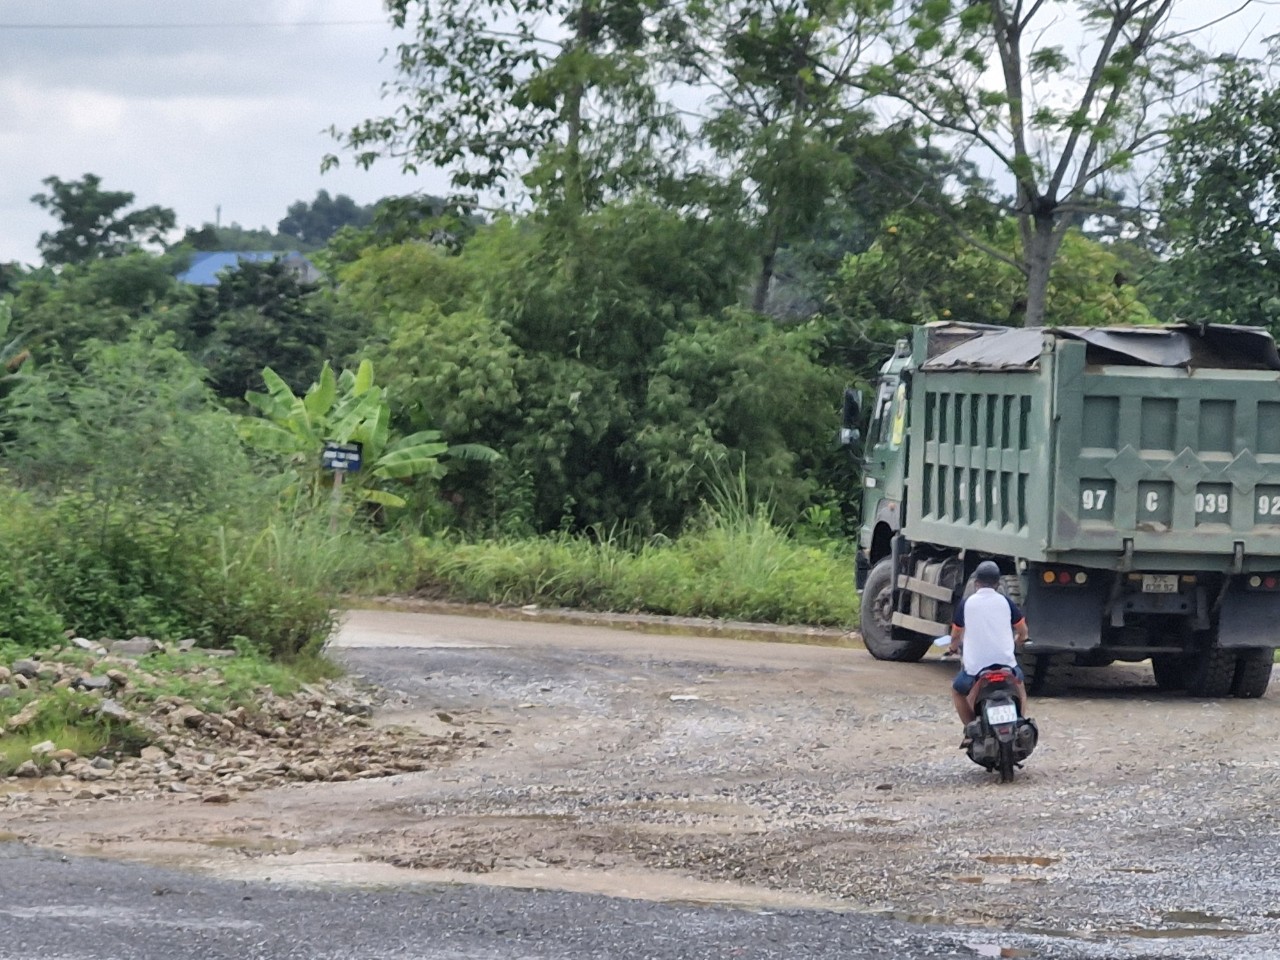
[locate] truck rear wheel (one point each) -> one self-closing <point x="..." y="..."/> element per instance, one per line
<point x="882" y="639"/>
<point x="1211" y="672"/>
<point x="1253" y="672"/>
<point x="1047" y="676"/>
<point x="1170" y="671"/>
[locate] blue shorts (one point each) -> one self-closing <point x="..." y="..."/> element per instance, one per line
<point x="964" y="682"/>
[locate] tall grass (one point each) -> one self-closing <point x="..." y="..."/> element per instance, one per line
<point x="734" y="563"/>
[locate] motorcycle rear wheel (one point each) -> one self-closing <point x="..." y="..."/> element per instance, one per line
<point x="1006" y="762"/>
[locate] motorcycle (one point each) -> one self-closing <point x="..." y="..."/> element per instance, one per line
<point x="1000" y="738"/>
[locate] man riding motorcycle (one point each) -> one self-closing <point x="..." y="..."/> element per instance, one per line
<point x="986" y="629"/>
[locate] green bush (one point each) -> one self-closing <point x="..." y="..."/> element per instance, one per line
<point x="107" y="571"/>
<point x="27" y="618"/>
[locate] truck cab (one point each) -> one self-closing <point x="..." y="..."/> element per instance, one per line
<point x="884" y="461"/>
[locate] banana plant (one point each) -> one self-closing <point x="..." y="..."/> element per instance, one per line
<point x="346" y="408"/>
<point x="12" y="354"/>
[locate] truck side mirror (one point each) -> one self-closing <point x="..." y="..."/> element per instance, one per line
<point x="850" y="418"/>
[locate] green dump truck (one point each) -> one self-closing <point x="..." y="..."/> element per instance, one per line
<point x="1126" y="480"/>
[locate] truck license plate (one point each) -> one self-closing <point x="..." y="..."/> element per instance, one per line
<point x="1159" y="583"/>
<point x="999" y="713"/>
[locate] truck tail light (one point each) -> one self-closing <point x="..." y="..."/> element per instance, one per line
<point x="1064" y="578"/>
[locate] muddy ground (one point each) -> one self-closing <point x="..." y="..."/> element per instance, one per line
<point x="698" y="768"/>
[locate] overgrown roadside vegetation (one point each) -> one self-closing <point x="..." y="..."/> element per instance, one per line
<point x="133" y="505"/>
<point x="745" y="568"/>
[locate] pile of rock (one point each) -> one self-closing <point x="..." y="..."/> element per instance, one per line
<point x="323" y="732"/>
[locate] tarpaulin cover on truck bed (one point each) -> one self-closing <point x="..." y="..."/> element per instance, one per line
<point x="1185" y="346"/>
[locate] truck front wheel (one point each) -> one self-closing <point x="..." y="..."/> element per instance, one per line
<point x="882" y="639"/>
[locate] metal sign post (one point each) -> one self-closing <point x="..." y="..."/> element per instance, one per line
<point x="340" y="458"/>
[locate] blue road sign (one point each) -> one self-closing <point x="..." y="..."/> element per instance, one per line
<point x="341" y="456"/>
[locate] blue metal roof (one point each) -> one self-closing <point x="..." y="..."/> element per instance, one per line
<point x="205" y="267"/>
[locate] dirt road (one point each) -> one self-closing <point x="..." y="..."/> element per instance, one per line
<point x="772" y="774"/>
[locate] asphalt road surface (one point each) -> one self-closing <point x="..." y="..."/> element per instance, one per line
<point x="700" y="789"/>
<point x="70" y="908"/>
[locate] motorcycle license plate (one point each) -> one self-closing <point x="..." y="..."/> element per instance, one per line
<point x="1159" y="583"/>
<point x="999" y="713"/>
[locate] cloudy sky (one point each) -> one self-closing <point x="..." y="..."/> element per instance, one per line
<point x="198" y="107"/>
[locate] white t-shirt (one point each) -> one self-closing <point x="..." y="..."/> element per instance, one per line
<point x="988" y="619"/>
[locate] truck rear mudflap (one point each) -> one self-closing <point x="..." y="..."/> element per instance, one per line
<point x="1250" y="611"/>
<point x="1064" y="607"/>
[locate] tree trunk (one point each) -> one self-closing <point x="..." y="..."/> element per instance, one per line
<point x="1042" y="244"/>
<point x="574" y="190"/>
<point x="765" y="279"/>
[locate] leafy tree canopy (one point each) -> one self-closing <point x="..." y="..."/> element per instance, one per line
<point x="571" y="358"/>
<point x="1221" y="204"/>
<point x="312" y="224"/>
<point x="559" y="93"/>
<point x="93" y="221"/>
<point x="262" y="314"/>
<point x="919" y="271"/>
<point x="103" y="300"/>
<point x="994" y="77"/>
<point x="234" y="237"/>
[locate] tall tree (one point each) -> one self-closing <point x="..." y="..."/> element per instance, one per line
<point x="312" y="224"/>
<point x="995" y="76"/>
<point x="1221" y="203"/>
<point x="94" y="223"/>
<point x="789" y="135"/>
<point x="258" y="315"/>
<point x="555" y="92"/>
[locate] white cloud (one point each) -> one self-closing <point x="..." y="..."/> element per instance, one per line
<point x="225" y="113"/>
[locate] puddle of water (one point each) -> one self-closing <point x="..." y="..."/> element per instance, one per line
<point x="711" y="808"/>
<point x="992" y="880"/>
<point x="255" y="845"/>
<point x="1179" y="933"/>
<point x="1002" y="859"/>
<point x="122" y="916"/>
<point x="995" y="950"/>
<point x="1143" y="933"/>
<point x="1134" y="870"/>
<point x="935" y="919"/>
<point x="1191" y="916"/>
